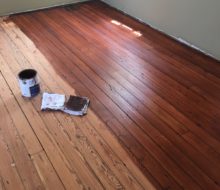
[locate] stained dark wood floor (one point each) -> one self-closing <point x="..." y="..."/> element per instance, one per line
<point x="159" y="98"/>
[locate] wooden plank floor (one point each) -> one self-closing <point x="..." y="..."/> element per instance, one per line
<point x="154" y="118"/>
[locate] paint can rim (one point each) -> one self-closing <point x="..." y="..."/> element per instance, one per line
<point x="27" y="74"/>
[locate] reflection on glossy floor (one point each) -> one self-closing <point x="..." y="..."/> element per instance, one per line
<point x="154" y="119"/>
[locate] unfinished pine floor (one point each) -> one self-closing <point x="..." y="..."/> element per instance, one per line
<point x="154" y="118"/>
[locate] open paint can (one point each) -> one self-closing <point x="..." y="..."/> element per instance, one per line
<point x="29" y="83"/>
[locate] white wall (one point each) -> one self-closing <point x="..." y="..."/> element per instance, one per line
<point x="16" y="6"/>
<point x="195" y="21"/>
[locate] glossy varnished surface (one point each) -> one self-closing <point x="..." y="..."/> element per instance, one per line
<point x="158" y="98"/>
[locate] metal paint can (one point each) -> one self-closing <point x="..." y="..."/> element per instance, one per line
<point x="29" y="83"/>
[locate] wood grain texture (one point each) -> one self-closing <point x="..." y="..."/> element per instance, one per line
<point x="10" y="178"/>
<point x="51" y="83"/>
<point x="154" y="117"/>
